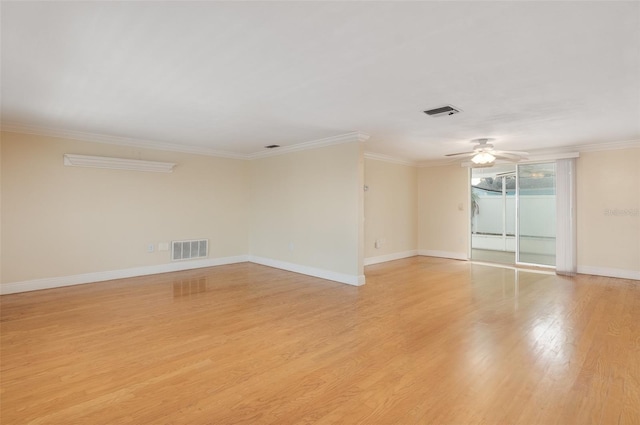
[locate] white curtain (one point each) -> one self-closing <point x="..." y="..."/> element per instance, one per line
<point x="566" y="258"/>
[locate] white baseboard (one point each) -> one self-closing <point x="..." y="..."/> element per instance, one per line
<point x="356" y="280"/>
<point x="78" y="279"/>
<point x="310" y="271"/>
<point x="609" y="272"/>
<point x="443" y="254"/>
<point x="390" y="257"/>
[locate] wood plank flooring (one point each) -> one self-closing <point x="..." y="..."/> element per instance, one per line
<point x="425" y="341"/>
<point x="488" y="255"/>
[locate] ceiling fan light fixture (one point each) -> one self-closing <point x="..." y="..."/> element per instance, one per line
<point x="483" y="158"/>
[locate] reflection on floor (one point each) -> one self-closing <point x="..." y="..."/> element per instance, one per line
<point x="542" y="259"/>
<point x="425" y="341"/>
<point x="506" y="257"/>
<point x="490" y="256"/>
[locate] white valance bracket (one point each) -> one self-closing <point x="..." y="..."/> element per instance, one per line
<point x="72" y="160"/>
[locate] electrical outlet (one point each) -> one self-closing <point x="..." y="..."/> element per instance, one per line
<point x="379" y="243"/>
<point x="150" y="247"/>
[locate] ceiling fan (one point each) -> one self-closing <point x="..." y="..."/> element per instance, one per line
<point x="484" y="154"/>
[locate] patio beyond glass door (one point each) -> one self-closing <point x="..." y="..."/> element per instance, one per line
<point x="493" y="214"/>
<point x="536" y="210"/>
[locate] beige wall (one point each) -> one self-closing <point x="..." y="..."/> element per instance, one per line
<point x="306" y="208"/>
<point x="443" y="211"/>
<point x="390" y="208"/>
<point x="608" y="204"/>
<point x="1" y="208"/>
<point x="61" y="221"/>
<point x="608" y="242"/>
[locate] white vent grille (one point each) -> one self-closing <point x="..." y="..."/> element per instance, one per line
<point x="184" y="250"/>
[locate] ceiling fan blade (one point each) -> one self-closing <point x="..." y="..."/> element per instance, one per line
<point x="461" y="153"/>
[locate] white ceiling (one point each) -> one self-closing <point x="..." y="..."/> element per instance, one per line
<point x="236" y="76"/>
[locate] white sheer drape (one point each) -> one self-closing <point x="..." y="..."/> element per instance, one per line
<point x="566" y="258"/>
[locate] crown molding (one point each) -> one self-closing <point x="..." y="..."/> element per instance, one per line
<point x="313" y="144"/>
<point x="355" y="136"/>
<point x="116" y="140"/>
<point x="386" y="158"/>
<point x="628" y="144"/>
<point x="561" y="152"/>
<point x="437" y="163"/>
<point x="577" y="149"/>
<point x="532" y="159"/>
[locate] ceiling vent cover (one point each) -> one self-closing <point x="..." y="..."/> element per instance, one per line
<point x="442" y="111"/>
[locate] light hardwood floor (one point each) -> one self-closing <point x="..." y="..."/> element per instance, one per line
<point x="500" y="257"/>
<point x="426" y="341"/>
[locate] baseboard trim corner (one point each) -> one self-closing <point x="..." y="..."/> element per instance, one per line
<point x="443" y="254"/>
<point x="390" y="257"/>
<point x="79" y="279"/>
<point x="355" y="280"/>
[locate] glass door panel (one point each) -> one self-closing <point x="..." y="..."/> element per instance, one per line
<point x="536" y="206"/>
<point x="493" y="214"/>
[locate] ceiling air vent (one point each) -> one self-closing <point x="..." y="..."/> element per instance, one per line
<point x="442" y="111"/>
<point x="184" y="250"/>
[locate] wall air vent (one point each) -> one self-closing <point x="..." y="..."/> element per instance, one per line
<point x="185" y="250"/>
<point x="442" y="111"/>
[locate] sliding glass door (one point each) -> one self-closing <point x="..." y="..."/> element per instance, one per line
<point x="536" y="214"/>
<point x="493" y="214"/>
